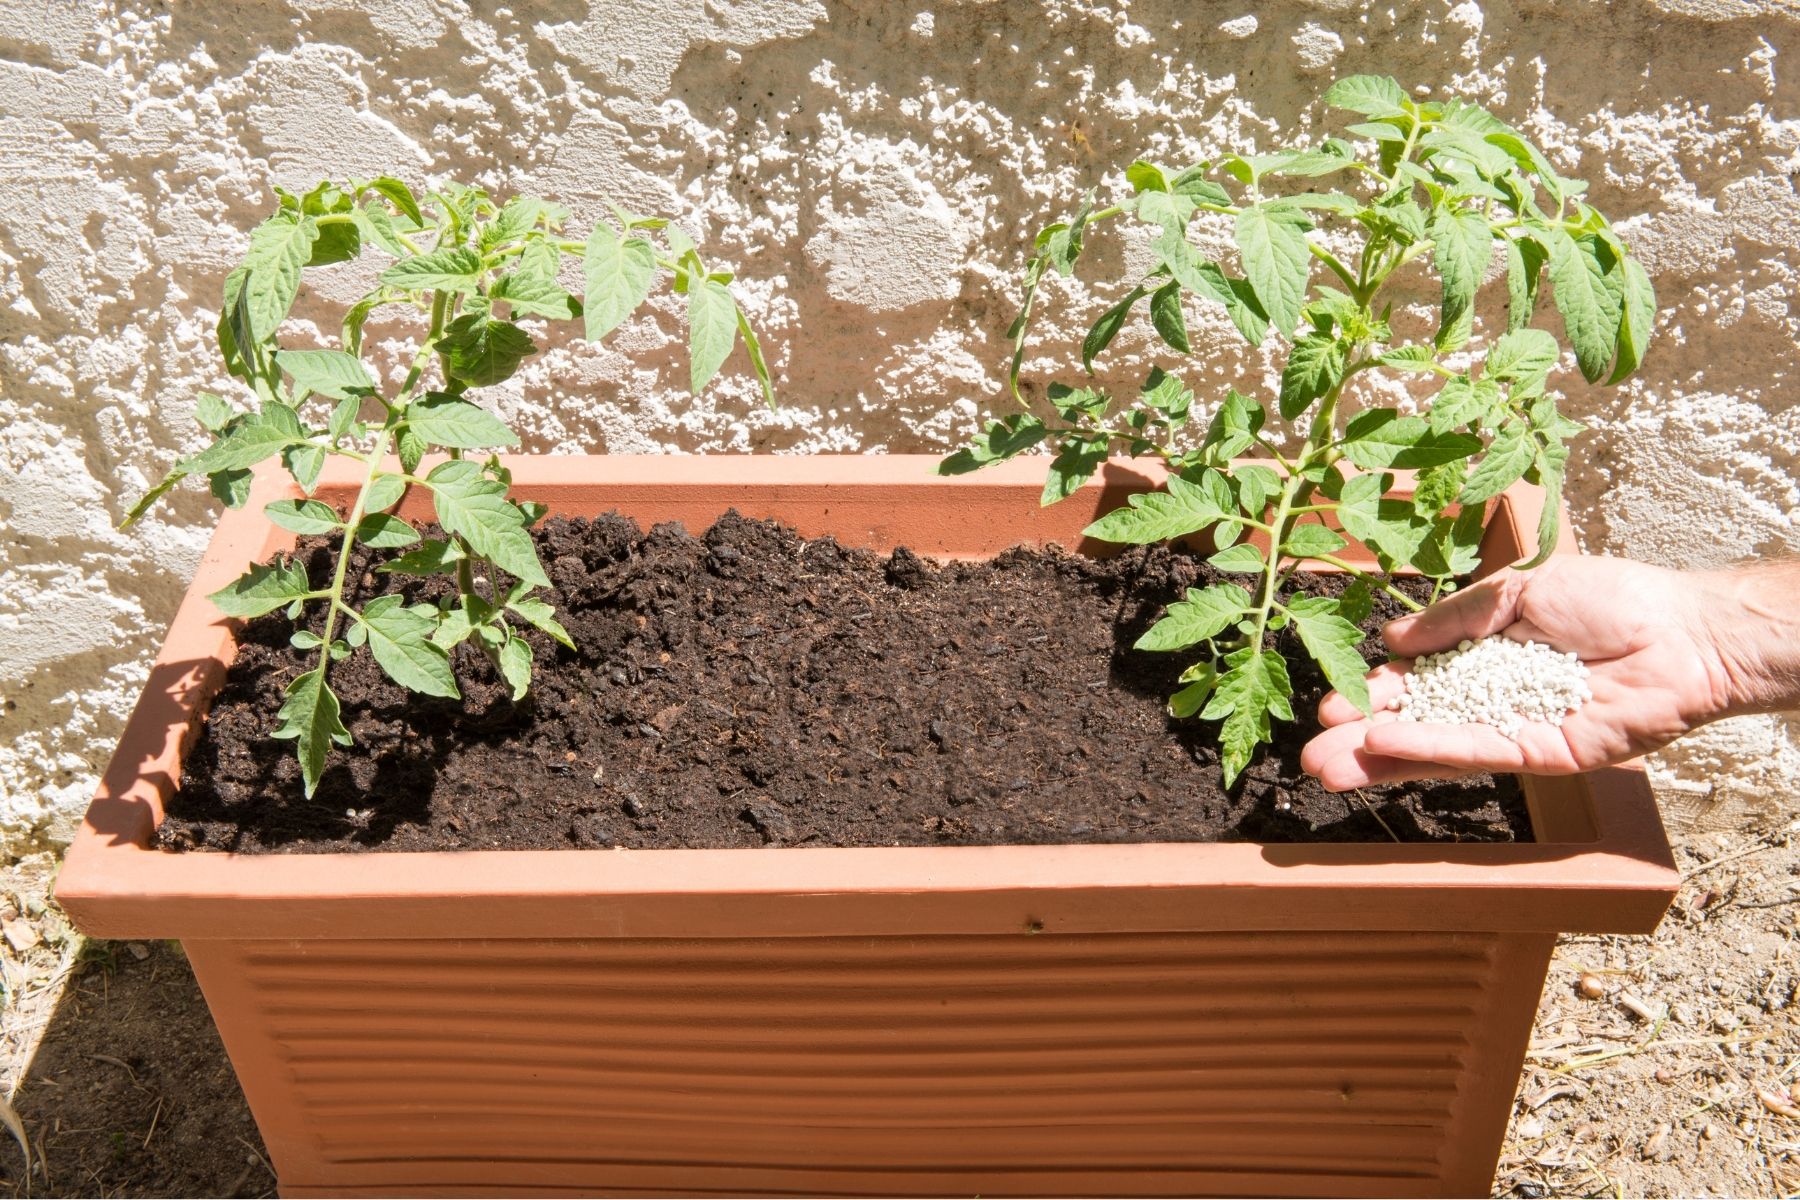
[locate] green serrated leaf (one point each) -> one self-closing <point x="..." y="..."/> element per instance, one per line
<point x="1002" y="440"/>
<point x="474" y="508"/>
<point x="448" y="421"/>
<point x="1462" y="401"/>
<point x="1168" y="396"/>
<point x="343" y="417"/>
<point x="1332" y="641"/>
<point x="1277" y="260"/>
<point x="1074" y="464"/>
<point x="1209" y="280"/>
<point x="1256" y="486"/>
<point x="536" y="612"/>
<point x="1637" y="316"/>
<point x="385" y="491"/>
<point x="1194" y="184"/>
<point x="374" y="223"/>
<point x="431" y="558"/>
<point x="309" y="717"/>
<point x="1524" y="356"/>
<point x="1189" y="700"/>
<point x="1379" y="130"/>
<point x="399" y="638"/>
<point x="213" y="412"/>
<point x="1315" y="365"/>
<point x="382" y="531"/>
<point x="1590" y="309"/>
<point x="1436" y="488"/>
<point x="1171" y="210"/>
<point x="1357" y="602"/>
<point x="1167" y="317"/>
<point x="1146" y="177"/>
<point x="712" y="329"/>
<point x="1549" y="524"/>
<point x="1462" y="248"/>
<point x="304" y="463"/>
<point x="1233" y="428"/>
<point x="1205" y="613"/>
<point x="619" y="272"/>
<point x="1381" y="437"/>
<point x="479" y="350"/>
<point x="1241" y="559"/>
<point x="515" y="664"/>
<point x="400" y="196"/>
<point x="454" y="270"/>
<point x="1310" y="540"/>
<point x="304" y="516"/>
<point x="1505" y="461"/>
<point x="231" y="488"/>
<point x="1159" y="516"/>
<point x="1254" y="689"/>
<point x="330" y="373"/>
<point x="279" y="248"/>
<point x="532" y="295"/>
<point x="251" y="440"/>
<point x="1107" y="327"/>
<point x="263" y="589"/>
<point x="1525" y="258"/>
<point x="410" y="447"/>
<point x="1370" y="95"/>
<point x="1409" y="358"/>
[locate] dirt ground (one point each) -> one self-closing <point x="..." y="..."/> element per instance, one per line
<point x="1673" y="1080"/>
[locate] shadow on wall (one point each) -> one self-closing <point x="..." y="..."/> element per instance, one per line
<point x="130" y="1092"/>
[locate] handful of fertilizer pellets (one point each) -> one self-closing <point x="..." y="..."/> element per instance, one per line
<point x="1494" y="681"/>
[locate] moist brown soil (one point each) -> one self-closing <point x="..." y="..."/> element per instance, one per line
<point x="750" y="687"/>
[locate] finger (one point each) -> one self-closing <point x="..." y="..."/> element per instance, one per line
<point x="1341" y="761"/>
<point x="1385" y="683"/>
<point x="1474" y="747"/>
<point x="1487" y="607"/>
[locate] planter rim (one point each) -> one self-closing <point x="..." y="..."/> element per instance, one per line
<point x="1603" y="864"/>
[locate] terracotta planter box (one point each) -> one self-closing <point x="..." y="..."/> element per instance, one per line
<point x="1076" y="1020"/>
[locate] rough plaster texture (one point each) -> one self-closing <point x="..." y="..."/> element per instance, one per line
<point x="872" y="168"/>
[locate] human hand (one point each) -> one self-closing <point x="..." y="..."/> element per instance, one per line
<point x="1646" y="634"/>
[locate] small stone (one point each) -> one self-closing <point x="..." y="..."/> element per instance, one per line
<point x="1589" y="986"/>
<point x="20" y="935"/>
<point x="1664" y="1075"/>
<point x="137" y="950"/>
<point x="599" y="774"/>
<point x="634" y="807"/>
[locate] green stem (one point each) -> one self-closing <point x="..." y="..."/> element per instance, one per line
<point x="1358" y="572"/>
<point x="1331" y="260"/>
<point x="1283" y="510"/>
<point x="348" y="544"/>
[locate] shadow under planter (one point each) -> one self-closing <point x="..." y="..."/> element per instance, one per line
<point x="1043" y="1020"/>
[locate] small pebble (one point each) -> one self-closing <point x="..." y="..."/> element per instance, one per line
<point x="1589" y="986"/>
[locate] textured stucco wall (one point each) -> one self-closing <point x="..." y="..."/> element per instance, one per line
<point x="872" y="168"/>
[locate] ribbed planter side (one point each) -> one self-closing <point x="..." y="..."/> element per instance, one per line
<point x="1045" y="1020"/>
<point x="1157" y="1064"/>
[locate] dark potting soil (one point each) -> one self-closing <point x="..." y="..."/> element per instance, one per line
<point x="750" y="687"/>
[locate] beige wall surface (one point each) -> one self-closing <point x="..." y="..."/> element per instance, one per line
<point x="872" y="169"/>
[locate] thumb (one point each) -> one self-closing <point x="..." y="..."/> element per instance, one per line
<point x="1475" y="612"/>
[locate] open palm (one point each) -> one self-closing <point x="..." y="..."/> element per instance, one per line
<point x="1652" y="670"/>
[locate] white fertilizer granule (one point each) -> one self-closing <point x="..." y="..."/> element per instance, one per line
<point x="1494" y="681"/>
